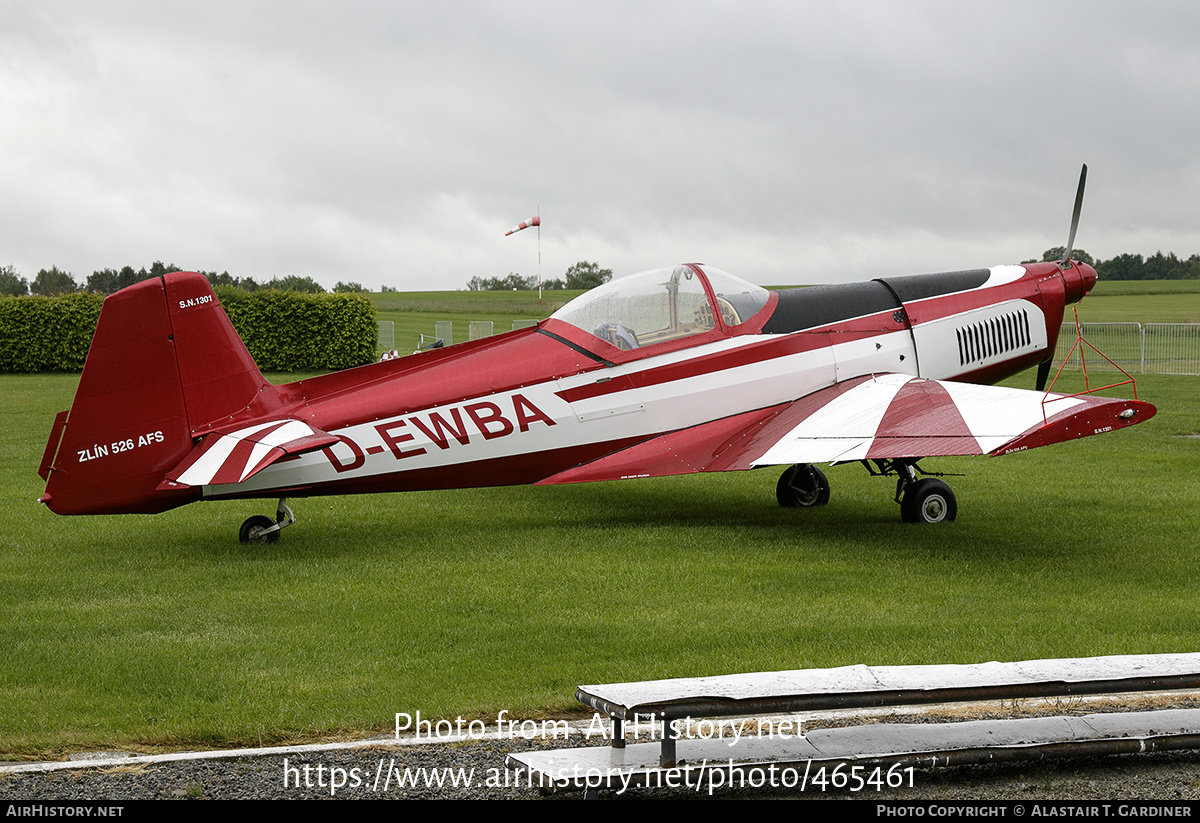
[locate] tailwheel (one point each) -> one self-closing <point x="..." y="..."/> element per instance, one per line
<point x="928" y="501"/>
<point x="802" y="486"/>
<point x="261" y="529"/>
<point x="258" y="529"/>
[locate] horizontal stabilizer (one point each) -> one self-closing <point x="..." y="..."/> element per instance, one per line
<point x="233" y="456"/>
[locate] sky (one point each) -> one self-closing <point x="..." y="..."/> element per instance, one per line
<point x="394" y="143"/>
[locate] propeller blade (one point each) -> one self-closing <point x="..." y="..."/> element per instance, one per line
<point x="1075" y="216"/>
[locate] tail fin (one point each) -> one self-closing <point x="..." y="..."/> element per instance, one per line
<point x="165" y="364"/>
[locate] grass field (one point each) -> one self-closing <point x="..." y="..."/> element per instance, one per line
<point x="1152" y="301"/>
<point x="417" y="313"/>
<point x="163" y="631"/>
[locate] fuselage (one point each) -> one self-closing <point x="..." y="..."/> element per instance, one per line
<point x="644" y="355"/>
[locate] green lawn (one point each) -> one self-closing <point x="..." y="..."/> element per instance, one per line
<point x="160" y="631"/>
<point x="1142" y="301"/>
<point x="1112" y="288"/>
<point x="417" y="313"/>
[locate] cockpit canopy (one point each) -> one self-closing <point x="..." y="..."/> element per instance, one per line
<point x="660" y="305"/>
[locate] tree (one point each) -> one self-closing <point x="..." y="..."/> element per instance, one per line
<point x="1057" y="253"/>
<point x="348" y="287"/>
<point x="103" y="281"/>
<point x="512" y="282"/>
<point x="11" y="283"/>
<point x="127" y="276"/>
<point x="53" y="281"/>
<point x="515" y="281"/>
<point x="294" y="282"/>
<point x="585" y="275"/>
<point x="159" y="268"/>
<point x="107" y="281"/>
<point x="1161" y="266"/>
<point x="1122" y="267"/>
<point x="222" y="279"/>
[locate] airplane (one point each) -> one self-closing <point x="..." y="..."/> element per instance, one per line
<point x="671" y="371"/>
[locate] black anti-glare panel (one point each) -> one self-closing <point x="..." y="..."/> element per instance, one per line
<point x="807" y="308"/>
<point x="815" y="306"/>
<point x="920" y="286"/>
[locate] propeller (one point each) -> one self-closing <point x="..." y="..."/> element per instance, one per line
<point x="1043" y="372"/>
<point x="1075" y="215"/>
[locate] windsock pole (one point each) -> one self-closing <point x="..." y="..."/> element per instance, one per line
<point x="536" y="220"/>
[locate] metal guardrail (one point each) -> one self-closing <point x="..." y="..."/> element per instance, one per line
<point x="1145" y="348"/>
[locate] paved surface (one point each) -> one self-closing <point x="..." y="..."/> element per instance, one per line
<point x="386" y="770"/>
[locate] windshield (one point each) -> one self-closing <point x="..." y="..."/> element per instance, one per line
<point x="655" y="306"/>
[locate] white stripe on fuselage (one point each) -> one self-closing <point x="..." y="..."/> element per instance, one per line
<point x="536" y="418"/>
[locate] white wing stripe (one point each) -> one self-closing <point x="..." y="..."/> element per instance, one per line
<point x="843" y="429"/>
<point x="995" y="417"/>
<point x="847" y="427"/>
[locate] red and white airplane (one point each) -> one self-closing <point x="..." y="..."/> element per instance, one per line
<point x="672" y="371"/>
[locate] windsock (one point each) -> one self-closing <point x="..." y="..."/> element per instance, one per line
<point x="532" y="221"/>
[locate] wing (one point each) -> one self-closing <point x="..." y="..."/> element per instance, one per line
<point x="872" y="418"/>
<point x="233" y="456"/>
<point x="898" y="416"/>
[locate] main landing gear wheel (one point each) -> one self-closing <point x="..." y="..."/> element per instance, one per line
<point x="928" y="501"/>
<point x="254" y="530"/>
<point x="802" y="486"/>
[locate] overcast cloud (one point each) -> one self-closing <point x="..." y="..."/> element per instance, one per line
<point x="787" y="142"/>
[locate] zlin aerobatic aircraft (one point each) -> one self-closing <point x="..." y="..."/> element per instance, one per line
<point x="672" y="371"/>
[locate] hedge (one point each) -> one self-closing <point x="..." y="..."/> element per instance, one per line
<point x="47" y="333"/>
<point x="293" y="331"/>
<point x="284" y="331"/>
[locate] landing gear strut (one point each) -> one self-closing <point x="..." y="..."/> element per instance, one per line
<point x="922" y="499"/>
<point x="261" y="530"/>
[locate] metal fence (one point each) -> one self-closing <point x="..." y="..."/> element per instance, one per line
<point x="1146" y="348"/>
<point x="386" y="337"/>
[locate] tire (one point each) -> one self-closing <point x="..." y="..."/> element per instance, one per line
<point x="929" y="501"/>
<point x="252" y="530"/>
<point x="801" y="487"/>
